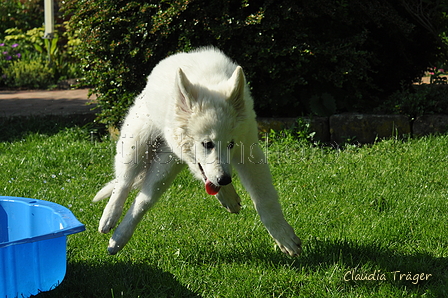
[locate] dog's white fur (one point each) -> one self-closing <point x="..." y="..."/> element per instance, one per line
<point x="196" y="109"/>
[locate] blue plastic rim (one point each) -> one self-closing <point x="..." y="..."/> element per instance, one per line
<point x="33" y="245"/>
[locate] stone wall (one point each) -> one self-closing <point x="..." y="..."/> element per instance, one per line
<point x="362" y="128"/>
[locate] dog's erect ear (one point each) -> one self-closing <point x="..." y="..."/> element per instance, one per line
<point x="186" y="93"/>
<point x="238" y="83"/>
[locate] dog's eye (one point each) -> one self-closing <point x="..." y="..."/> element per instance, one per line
<point x="231" y="144"/>
<point x="208" y="145"/>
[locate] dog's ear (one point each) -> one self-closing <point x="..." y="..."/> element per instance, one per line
<point x="238" y="83"/>
<point x="186" y="92"/>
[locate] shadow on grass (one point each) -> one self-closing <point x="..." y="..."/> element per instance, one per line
<point x="85" y="279"/>
<point x="321" y="258"/>
<point x="415" y="272"/>
<point x="341" y="258"/>
<point x="16" y="128"/>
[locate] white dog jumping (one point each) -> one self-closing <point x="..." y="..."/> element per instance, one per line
<point x="196" y="109"/>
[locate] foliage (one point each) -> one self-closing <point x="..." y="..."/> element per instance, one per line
<point x="21" y="14"/>
<point x="36" y="51"/>
<point x="355" y="51"/>
<point x="30" y="74"/>
<point x="418" y="100"/>
<point x="21" y="24"/>
<point x="323" y="105"/>
<point x="379" y="208"/>
<point x="299" y="133"/>
<point x="29" y="40"/>
<point x="8" y="53"/>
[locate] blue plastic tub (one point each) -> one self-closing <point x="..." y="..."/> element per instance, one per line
<point x="33" y="245"/>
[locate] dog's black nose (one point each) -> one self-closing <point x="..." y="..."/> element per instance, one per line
<point x="224" y="180"/>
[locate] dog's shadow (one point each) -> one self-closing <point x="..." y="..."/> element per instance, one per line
<point x="118" y="279"/>
<point x="133" y="279"/>
<point x="370" y="265"/>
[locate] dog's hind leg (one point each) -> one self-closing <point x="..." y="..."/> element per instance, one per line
<point x="256" y="178"/>
<point x="129" y="163"/>
<point x="158" y="178"/>
<point x="114" y="207"/>
<point x="229" y="199"/>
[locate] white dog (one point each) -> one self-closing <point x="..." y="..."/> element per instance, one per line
<point x="196" y="109"/>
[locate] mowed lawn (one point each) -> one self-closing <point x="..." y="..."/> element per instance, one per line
<point x="373" y="221"/>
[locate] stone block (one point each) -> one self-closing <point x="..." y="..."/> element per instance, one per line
<point x="266" y="124"/>
<point x="367" y="128"/>
<point x="430" y="124"/>
<point x="319" y="125"/>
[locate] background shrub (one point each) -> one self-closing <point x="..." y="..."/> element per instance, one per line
<point x="21" y="33"/>
<point x="32" y="74"/>
<point x="417" y="100"/>
<point x="20" y="14"/>
<point x="9" y="53"/>
<point x="293" y="52"/>
<point x="29" y="47"/>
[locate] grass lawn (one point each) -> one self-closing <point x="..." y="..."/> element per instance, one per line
<point x="378" y="212"/>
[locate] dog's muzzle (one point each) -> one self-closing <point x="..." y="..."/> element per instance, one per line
<point x="210" y="187"/>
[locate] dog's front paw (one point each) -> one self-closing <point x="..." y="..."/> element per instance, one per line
<point x="113" y="247"/>
<point x="293" y="246"/>
<point x="106" y="225"/>
<point x="286" y="239"/>
<point x="108" y="221"/>
<point x="229" y="199"/>
<point x="120" y="237"/>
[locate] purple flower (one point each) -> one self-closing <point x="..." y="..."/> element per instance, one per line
<point x="2" y="44"/>
<point x="19" y="55"/>
<point x="5" y="53"/>
<point x="15" y="45"/>
<point x="8" y="58"/>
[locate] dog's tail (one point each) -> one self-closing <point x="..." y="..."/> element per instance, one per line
<point x="105" y="192"/>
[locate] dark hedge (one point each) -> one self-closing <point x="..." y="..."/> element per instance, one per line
<point x="300" y="57"/>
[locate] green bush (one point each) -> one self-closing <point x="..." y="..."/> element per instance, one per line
<point x="30" y="74"/>
<point x="297" y="55"/>
<point x="418" y="100"/>
<point x="21" y="26"/>
<point x="8" y="54"/>
<point x="20" y="14"/>
<point x="29" y="45"/>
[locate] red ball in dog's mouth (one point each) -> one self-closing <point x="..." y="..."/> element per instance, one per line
<point x="210" y="188"/>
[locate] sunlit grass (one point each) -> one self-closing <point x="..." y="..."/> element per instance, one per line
<point x="370" y="211"/>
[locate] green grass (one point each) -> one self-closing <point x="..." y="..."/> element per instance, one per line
<point x="377" y="209"/>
